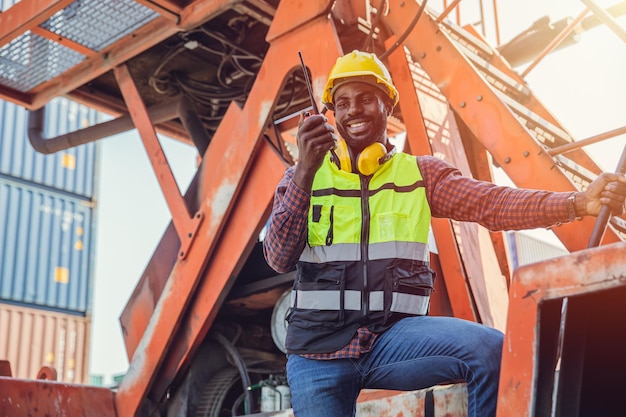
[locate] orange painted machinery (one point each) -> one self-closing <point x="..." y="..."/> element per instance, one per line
<point x="203" y="326"/>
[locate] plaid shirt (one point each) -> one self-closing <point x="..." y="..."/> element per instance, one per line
<point x="450" y="195"/>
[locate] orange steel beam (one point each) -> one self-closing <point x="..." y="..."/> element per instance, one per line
<point x="15" y="96"/>
<point x="532" y="102"/>
<point x="223" y="169"/>
<point x="141" y="306"/>
<point x="579" y="273"/>
<point x="107" y="59"/>
<point x="168" y="9"/>
<point x="447" y="11"/>
<point x="480" y="163"/>
<point x="62" y="40"/>
<point x="186" y="224"/>
<point x="25" y="15"/>
<point x="491" y="121"/>
<point x="37" y="398"/>
<point x="238" y="228"/>
<point x="174" y="6"/>
<point x="451" y="263"/>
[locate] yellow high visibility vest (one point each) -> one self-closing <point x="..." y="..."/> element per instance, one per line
<point x="392" y="203"/>
<point x="367" y="260"/>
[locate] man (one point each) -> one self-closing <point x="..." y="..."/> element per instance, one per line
<point x="353" y="215"/>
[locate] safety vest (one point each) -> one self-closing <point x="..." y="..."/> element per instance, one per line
<point x="367" y="260"/>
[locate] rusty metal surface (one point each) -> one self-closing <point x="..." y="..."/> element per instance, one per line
<point x="231" y="153"/>
<point x="576" y="274"/>
<point x="5" y="368"/>
<point x="440" y="401"/>
<point x="180" y="295"/>
<point x="23" y="15"/>
<point x="487" y="116"/>
<point x="34" y="398"/>
<point x="444" y="401"/>
<point x="171" y="18"/>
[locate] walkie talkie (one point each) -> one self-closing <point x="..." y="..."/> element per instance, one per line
<point x="309" y="86"/>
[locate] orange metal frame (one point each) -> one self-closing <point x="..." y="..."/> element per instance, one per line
<point x="597" y="269"/>
<point x="490" y="120"/>
<point x="215" y="224"/>
<point x="28" y="14"/>
<point x="29" y="398"/>
<point x="186" y="224"/>
<point x="248" y="174"/>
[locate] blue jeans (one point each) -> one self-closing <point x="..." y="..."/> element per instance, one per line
<point x="416" y="353"/>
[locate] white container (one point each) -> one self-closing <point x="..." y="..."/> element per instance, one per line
<point x="283" y="397"/>
<point x="269" y="398"/>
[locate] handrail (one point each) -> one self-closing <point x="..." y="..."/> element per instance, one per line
<point x="588" y="141"/>
<point x="606" y="18"/>
<point x="555" y="42"/>
<point x="605" y="212"/>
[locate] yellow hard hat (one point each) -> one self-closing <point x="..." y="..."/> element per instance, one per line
<point x="359" y="66"/>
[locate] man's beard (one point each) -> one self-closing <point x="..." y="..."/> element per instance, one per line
<point x="358" y="143"/>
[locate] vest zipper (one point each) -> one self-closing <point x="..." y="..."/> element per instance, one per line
<point x="365" y="236"/>
<point x="329" y="234"/>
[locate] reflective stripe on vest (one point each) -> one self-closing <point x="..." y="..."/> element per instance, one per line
<point x="331" y="300"/>
<point x="348" y="252"/>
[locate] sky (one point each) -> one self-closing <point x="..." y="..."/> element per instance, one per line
<point x="583" y="85"/>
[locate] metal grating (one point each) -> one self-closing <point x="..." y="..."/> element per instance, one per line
<point x="97" y="24"/>
<point x="30" y="60"/>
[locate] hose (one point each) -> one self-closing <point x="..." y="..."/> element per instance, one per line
<point x="241" y="366"/>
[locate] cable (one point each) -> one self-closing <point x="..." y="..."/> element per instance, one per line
<point x="406" y="33"/>
<point x="241" y="366"/>
<point x="367" y="43"/>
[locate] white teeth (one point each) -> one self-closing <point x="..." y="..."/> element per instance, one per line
<point x="359" y="124"/>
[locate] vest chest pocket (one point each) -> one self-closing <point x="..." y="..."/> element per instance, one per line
<point x="392" y="226"/>
<point x="333" y="223"/>
<point x="319" y="297"/>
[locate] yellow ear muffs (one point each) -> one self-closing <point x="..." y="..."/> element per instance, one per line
<point x="369" y="160"/>
<point x="343" y="156"/>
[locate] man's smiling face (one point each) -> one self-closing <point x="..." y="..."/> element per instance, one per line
<point x="361" y="114"/>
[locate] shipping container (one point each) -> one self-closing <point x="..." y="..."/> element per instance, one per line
<point x="46" y="248"/>
<point x="72" y="170"/>
<point x="31" y="339"/>
<point x="526" y="249"/>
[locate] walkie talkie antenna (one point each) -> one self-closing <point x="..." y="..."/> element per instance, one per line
<point x="309" y="86"/>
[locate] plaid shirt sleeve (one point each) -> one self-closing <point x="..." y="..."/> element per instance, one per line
<point x="451" y="195"/>
<point x="287" y="234"/>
